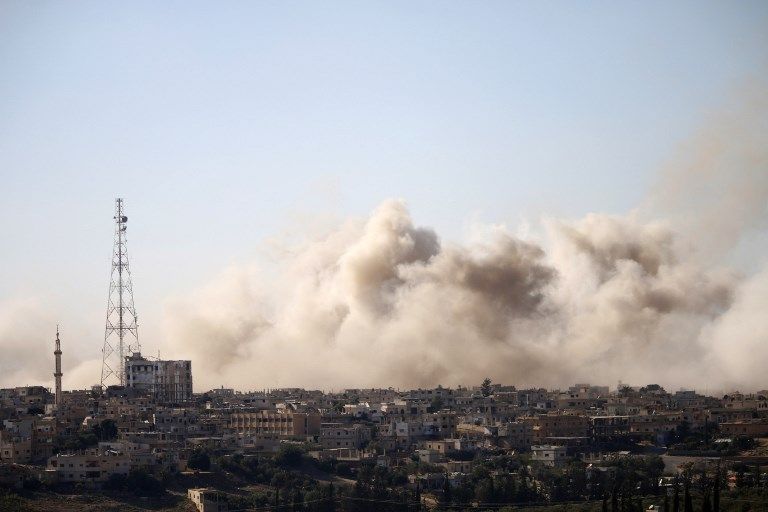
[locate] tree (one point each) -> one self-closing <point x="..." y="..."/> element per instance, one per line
<point x="106" y="430"/>
<point x="331" y="498"/>
<point x="199" y="459"/>
<point x="418" y="496"/>
<point x="289" y="455"/>
<point x="625" y="391"/>
<point x="484" y="491"/>
<point x="447" y="490"/>
<point x="676" y="502"/>
<point x="688" y="503"/>
<point x="142" y="483"/>
<point x="485" y="387"/>
<point x="115" y="482"/>
<point x="298" y="501"/>
<point x="716" y="490"/>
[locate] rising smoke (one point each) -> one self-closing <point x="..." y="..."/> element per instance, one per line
<point x="650" y="296"/>
<point x="382" y="302"/>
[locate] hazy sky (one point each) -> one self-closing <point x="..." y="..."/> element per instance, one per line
<point x="224" y="124"/>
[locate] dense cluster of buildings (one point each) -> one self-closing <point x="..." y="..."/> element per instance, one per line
<point x="154" y="422"/>
<point x="157" y="422"/>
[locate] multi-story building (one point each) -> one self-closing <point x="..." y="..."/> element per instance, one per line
<point x="516" y="434"/>
<point x="606" y="428"/>
<point x="90" y="467"/>
<point x="284" y="423"/>
<point x="549" y="455"/>
<point x="165" y="381"/>
<point x="547" y="426"/>
<point x="749" y="428"/>
<point x="442" y="423"/>
<point x="27" y="439"/>
<point x="15" y="448"/>
<point x="208" y="500"/>
<point x="177" y="423"/>
<point x="337" y="435"/>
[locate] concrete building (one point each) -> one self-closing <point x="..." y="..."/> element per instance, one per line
<point x="15" y="448"/>
<point x="208" y="500"/>
<point x="284" y="423"/>
<point x="165" y="381"/>
<point x="337" y="435"/>
<point x="90" y="467"/>
<point x="177" y="423"/>
<point x="549" y="455"/>
<point x="749" y="428"/>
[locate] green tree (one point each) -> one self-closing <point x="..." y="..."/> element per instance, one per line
<point x="484" y="491"/>
<point x="289" y="455"/>
<point x="676" y="501"/>
<point x="106" y="430"/>
<point x="447" y="491"/>
<point x="142" y="483"/>
<point x="716" y="490"/>
<point x="688" y="502"/>
<point x="199" y="459"/>
<point x="485" y="387"/>
<point x="436" y="404"/>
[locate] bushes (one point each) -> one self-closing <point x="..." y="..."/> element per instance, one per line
<point x="343" y="469"/>
<point x="115" y="482"/>
<point x="289" y="455"/>
<point x="199" y="460"/>
<point x="138" y="482"/>
<point x="106" y="430"/>
<point x="87" y="438"/>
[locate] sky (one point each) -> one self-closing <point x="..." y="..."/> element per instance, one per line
<point x="228" y="127"/>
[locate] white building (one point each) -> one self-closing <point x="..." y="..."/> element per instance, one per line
<point x="549" y="455"/>
<point x="166" y="381"/>
<point x="337" y="435"/>
<point x="91" y="467"/>
<point x="208" y="500"/>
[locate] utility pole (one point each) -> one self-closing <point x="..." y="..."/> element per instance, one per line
<point x="121" y="331"/>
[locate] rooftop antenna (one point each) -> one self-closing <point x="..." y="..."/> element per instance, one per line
<point x="121" y="331"/>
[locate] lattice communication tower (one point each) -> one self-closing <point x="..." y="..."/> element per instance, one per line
<point x="121" y="334"/>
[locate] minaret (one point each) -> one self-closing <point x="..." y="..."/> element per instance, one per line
<point x="58" y="373"/>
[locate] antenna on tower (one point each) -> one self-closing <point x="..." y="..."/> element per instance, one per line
<point x="121" y="331"/>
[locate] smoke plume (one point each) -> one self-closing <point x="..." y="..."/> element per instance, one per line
<point x="650" y="296"/>
<point x="643" y="297"/>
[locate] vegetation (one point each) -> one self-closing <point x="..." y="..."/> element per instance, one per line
<point x="485" y="387"/>
<point x="200" y="460"/>
<point x="106" y="430"/>
<point x="138" y="482"/>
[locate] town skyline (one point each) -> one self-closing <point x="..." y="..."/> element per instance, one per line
<point x="384" y="256"/>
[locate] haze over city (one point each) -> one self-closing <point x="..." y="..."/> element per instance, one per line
<point x="390" y="194"/>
